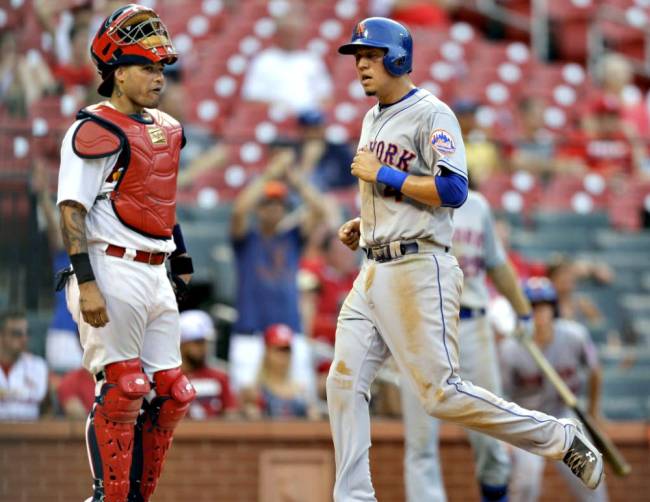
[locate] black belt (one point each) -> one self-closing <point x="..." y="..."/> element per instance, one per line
<point x="393" y="250"/>
<point x="383" y="254"/>
<point x="469" y="313"/>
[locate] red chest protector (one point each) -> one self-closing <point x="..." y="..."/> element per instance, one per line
<point x="144" y="198"/>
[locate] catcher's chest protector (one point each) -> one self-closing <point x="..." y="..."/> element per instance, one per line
<point x="144" y="198"/>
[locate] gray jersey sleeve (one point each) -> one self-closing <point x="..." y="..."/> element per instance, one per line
<point x="495" y="255"/>
<point x="441" y="144"/>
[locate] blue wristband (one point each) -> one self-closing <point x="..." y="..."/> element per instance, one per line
<point x="391" y="177"/>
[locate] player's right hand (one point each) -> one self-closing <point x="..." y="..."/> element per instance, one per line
<point x="350" y="232"/>
<point x="92" y="305"/>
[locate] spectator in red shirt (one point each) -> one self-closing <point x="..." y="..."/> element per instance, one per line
<point x="213" y="395"/>
<point x="616" y="77"/>
<point x="76" y="393"/>
<point x="326" y="280"/>
<point x="604" y="144"/>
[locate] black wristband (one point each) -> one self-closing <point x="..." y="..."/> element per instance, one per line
<point x="82" y="269"/>
<point x="179" y="241"/>
<point x="181" y="265"/>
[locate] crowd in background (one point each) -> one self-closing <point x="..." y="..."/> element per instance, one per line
<point x="292" y="271"/>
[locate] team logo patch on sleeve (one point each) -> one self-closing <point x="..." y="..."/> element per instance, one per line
<point x="442" y="142"/>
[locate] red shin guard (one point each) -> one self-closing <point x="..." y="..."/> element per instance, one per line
<point x="155" y="428"/>
<point x="110" y="430"/>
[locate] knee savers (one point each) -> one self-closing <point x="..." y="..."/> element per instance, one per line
<point x="125" y="386"/>
<point x="174" y="393"/>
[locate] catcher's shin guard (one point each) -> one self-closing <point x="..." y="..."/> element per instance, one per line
<point x="110" y="428"/>
<point x="155" y="428"/>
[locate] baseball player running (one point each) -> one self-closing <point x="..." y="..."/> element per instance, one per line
<point x="117" y="197"/>
<point x="478" y="251"/>
<point x="406" y="298"/>
<point x="568" y="348"/>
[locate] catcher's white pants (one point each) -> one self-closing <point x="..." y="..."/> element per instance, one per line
<point x="409" y="308"/>
<point x="142" y="312"/>
<point x="478" y="363"/>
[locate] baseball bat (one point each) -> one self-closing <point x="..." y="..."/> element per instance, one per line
<point x="610" y="452"/>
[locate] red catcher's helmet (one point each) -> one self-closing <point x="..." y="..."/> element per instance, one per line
<point x="133" y="34"/>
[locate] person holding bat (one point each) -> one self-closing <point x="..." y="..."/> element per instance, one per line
<point x="570" y="351"/>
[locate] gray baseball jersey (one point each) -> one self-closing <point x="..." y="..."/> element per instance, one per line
<point x="476" y="247"/>
<point x="418" y="135"/>
<point x="408" y="307"/>
<point x="571" y="352"/>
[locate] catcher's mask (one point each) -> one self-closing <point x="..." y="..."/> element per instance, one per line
<point x="133" y="34"/>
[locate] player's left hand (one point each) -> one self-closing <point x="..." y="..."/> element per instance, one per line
<point x="365" y="166"/>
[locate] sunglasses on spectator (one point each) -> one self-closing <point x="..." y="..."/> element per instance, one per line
<point x="283" y="348"/>
<point x="16" y="333"/>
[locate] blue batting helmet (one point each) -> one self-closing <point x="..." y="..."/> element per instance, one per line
<point x="540" y="290"/>
<point x="385" y="34"/>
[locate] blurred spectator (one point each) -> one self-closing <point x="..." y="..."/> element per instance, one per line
<point x="62" y="348"/>
<point x="326" y="164"/>
<point x="563" y="274"/>
<point x="615" y="75"/>
<point x="325" y="281"/>
<point x="76" y="394"/>
<point x="604" y="143"/>
<point x="570" y="351"/>
<point x="23" y="376"/>
<point x="429" y="13"/>
<point x="534" y="148"/>
<point x="483" y="155"/>
<point x="77" y="75"/>
<point x="286" y="74"/>
<point x="267" y="253"/>
<point x="276" y="394"/>
<point x="23" y="78"/>
<point x="60" y="18"/>
<point x="213" y="395"/>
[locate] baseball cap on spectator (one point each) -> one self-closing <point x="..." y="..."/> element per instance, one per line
<point x="606" y="104"/>
<point x="278" y="335"/>
<point x="196" y="325"/>
<point x="275" y="190"/>
<point x="311" y="118"/>
<point x="464" y="105"/>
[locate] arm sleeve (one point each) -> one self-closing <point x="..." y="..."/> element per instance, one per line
<point x="441" y="144"/>
<point x="80" y="179"/>
<point x="495" y="255"/>
<point x="452" y="188"/>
